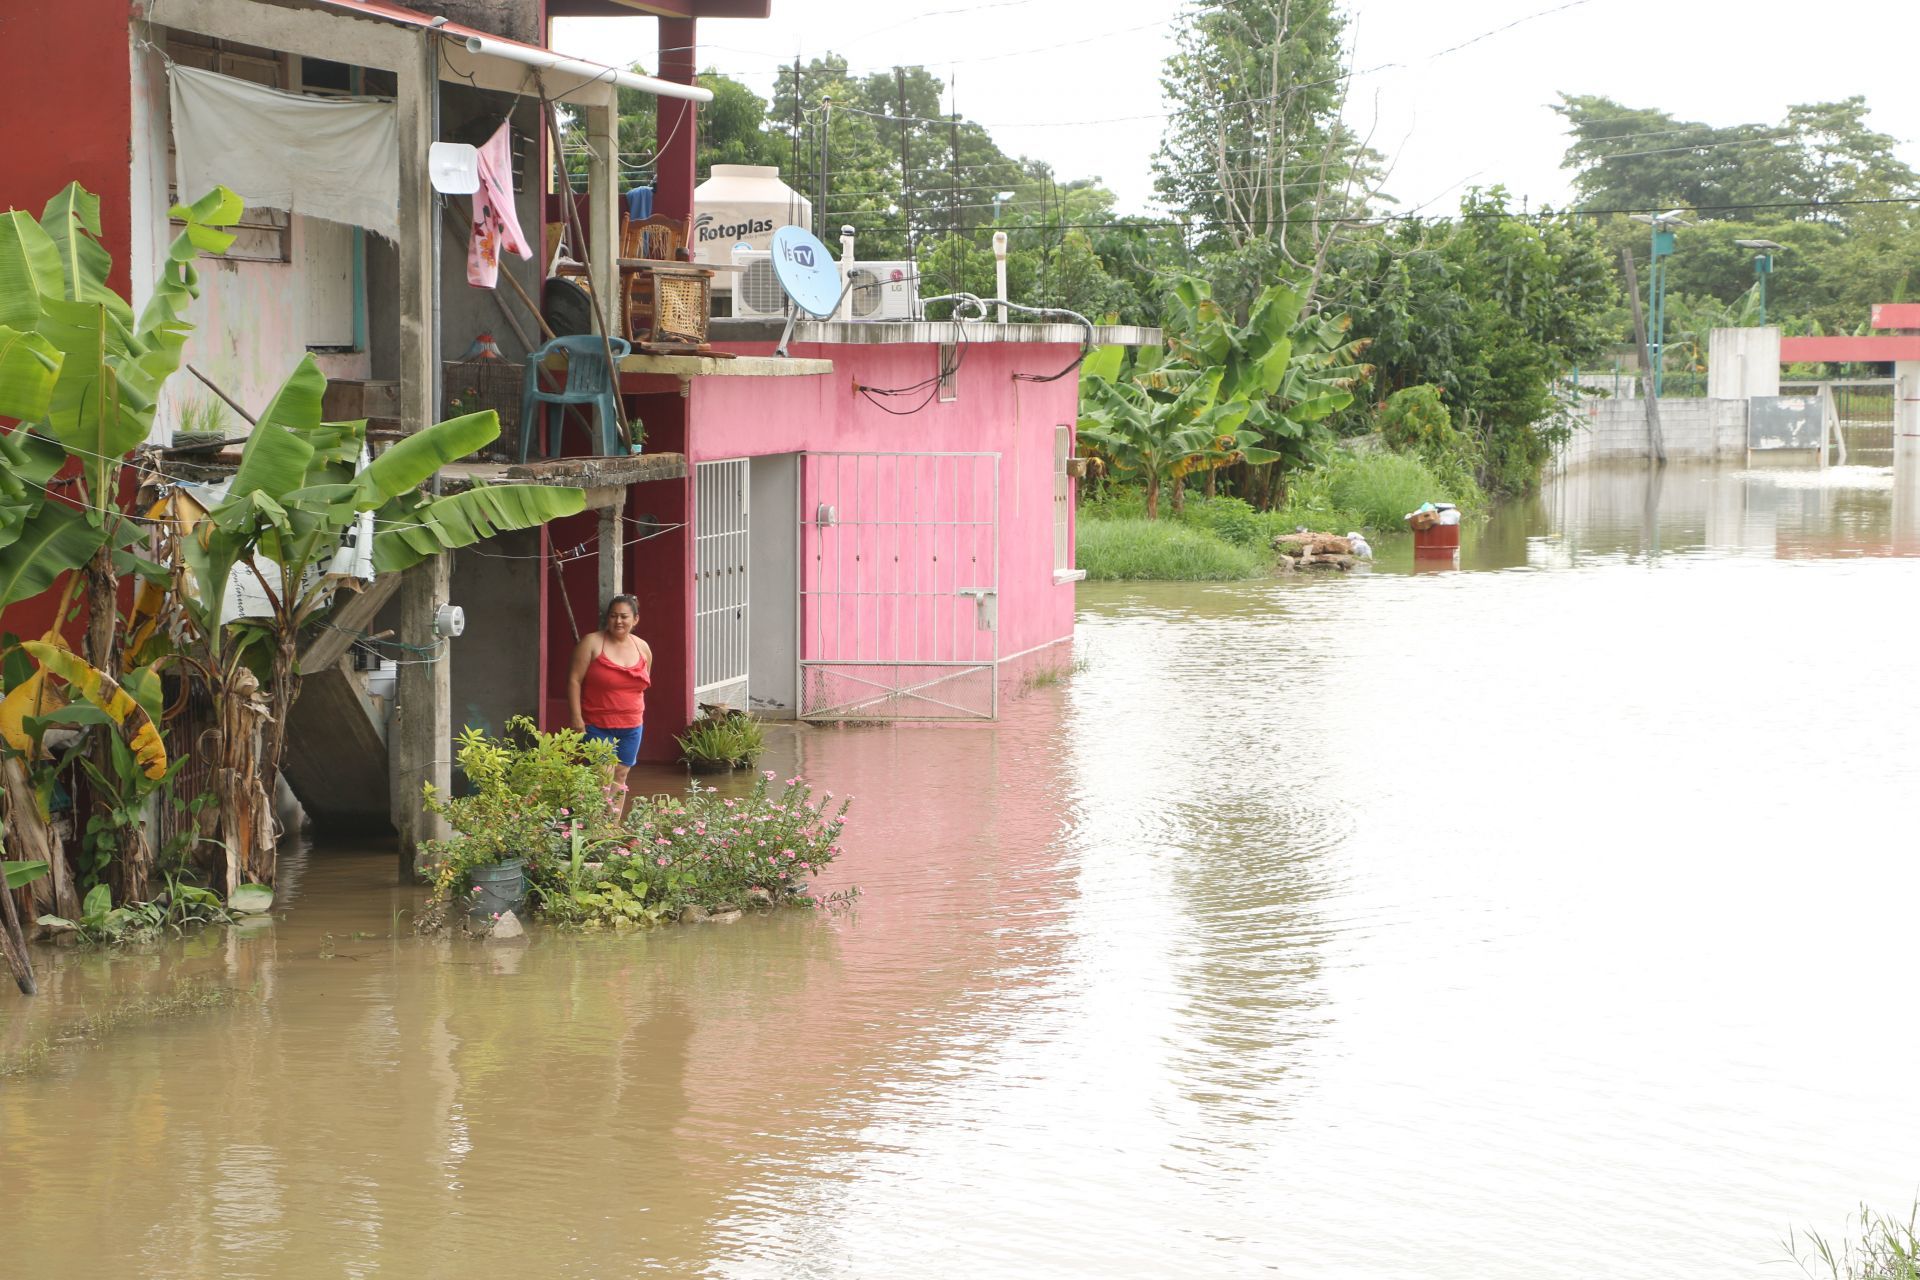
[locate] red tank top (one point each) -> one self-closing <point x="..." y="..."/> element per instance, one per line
<point x="613" y="696"/>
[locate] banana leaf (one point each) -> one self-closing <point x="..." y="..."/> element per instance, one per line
<point x="276" y="455"/>
<point x="412" y="462"/>
<point x="72" y="221"/>
<point x="29" y="367"/>
<point x="55" y="539"/>
<point x="29" y="270"/>
<point x="98" y="688"/>
<point x="415" y="527"/>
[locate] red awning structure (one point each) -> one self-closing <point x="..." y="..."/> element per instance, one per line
<point x="1876" y="348"/>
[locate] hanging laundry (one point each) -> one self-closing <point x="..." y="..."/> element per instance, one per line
<point x="496" y="225"/>
<point x="318" y="157"/>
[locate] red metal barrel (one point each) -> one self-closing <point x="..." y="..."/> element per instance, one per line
<point x="1440" y="540"/>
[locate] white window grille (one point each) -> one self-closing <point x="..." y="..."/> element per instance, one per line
<point x="722" y="547"/>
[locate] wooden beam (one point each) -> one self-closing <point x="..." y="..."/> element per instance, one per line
<point x="420" y="742"/>
<point x="347" y="621"/>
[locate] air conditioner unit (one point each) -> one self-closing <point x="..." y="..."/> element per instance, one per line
<point x="882" y="291"/>
<point x="756" y="291"/>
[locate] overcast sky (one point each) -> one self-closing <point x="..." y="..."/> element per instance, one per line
<point x="1076" y="82"/>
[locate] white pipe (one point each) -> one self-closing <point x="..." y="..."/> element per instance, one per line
<point x="591" y="70"/>
<point x="1000" y="272"/>
<point x="846" y="270"/>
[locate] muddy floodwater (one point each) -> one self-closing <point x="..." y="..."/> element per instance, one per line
<point x="1549" y="918"/>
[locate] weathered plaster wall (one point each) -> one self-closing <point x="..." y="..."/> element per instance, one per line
<point x="494" y="674"/>
<point x="515" y="19"/>
<point x="1690" y="428"/>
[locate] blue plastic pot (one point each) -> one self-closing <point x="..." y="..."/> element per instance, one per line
<point x="500" y="888"/>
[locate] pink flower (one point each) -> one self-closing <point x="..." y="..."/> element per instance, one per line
<point x="803" y="866"/>
<point x="700" y="828"/>
<point x="763" y="844"/>
<point x="728" y="802"/>
<point x="496" y="915"/>
<point x="788" y="852"/>
<point x="679" y="831"/>
<point x="659" y="862"/>
<point x="663" y="840"/>
<point x="624" y="853"/>
<point x="565" y="812"/>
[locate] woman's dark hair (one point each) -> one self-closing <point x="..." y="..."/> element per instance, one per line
<point x="632" y="603"/>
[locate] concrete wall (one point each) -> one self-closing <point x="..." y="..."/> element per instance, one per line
<point x="468" y="115"/>
<point x="1743" y="362"/>
<point x="1691" y="429"/>
<point x="495" y="666"/>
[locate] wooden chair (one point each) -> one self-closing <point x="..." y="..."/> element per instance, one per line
<point x="658" y="238"/>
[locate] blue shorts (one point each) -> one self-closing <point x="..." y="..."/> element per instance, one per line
<point x="626" y="742"/>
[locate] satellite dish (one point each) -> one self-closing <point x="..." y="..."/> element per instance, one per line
<point x="806" y="271"/>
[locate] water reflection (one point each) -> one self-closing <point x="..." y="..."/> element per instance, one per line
<point x="1502" y="923"/>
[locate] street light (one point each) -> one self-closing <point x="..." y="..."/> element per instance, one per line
<point x="1663" y="225"/>
<point x="1762" y="267"/>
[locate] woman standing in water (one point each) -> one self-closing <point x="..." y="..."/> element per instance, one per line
<point x="607" y="687"/>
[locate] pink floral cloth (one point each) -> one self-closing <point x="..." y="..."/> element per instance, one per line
<point x="496" y="226"/>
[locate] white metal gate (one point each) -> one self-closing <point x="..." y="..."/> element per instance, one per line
<point x="722" y="546"/>
<point x="899" y="586"/>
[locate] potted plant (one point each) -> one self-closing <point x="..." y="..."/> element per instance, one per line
<point x="721" y="739"/>
<point x="529" y="796"/>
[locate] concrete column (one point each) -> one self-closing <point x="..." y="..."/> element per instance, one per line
<point x="418" y="233"/>
<point x="678" y="127"/>
<point x="603" y="208"/>
<point x="420" y="741"/>
<point x="612" y="553"/>
<point x="1906" y="413"/>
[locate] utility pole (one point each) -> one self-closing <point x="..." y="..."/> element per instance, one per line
<point x="1648" y="394"/>
<point x="796" y="124"/>
<point x="906" y="169"/>
<point x="953" y="202"/>
<point x="826" y="132"/>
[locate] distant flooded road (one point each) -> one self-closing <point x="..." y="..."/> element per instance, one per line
<point x="1549" y="918"/>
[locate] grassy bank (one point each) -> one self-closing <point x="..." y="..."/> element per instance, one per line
<point x="1225" y="538"/>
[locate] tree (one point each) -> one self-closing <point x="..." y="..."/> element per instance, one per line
<point x="1646" y="159"/>
<point x="1256" y="150"/>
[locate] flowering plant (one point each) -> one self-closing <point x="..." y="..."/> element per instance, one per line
<point x="704" y="849"/>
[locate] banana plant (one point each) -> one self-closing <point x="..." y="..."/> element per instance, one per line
<point x="1161" y="419"/>
<point x="83" y="374"/>
<point x="302" y="487"/>
<point x="1292" y="369"/>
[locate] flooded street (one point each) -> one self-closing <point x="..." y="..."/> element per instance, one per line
<point x="1543" y="919"/>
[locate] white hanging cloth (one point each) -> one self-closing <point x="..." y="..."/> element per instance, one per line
<point x="320" y="157"/>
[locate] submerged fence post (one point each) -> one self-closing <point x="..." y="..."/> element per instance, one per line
<point x="1646" y="359"/>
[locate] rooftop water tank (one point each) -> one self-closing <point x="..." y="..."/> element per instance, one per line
<point x="742" y="204"/>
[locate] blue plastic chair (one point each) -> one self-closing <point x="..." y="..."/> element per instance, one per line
<point x="589" y="382"/>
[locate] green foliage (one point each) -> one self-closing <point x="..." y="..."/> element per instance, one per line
<point x="1885" y="1247"/>
<point x="1379" y="488"/>
<point x="704" y="849"/>
<point x="1414" y="420"/>
<point x="1137" y="549"/>
<point x="731" y="738"/>
<point x="531" y="795"/>
<point x="1643" y="158"/>
<point x="178" y="907"/>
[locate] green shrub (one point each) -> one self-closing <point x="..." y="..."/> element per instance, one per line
<point x="1381" y="488"/>
<point x="1229" y="519"/>
<point x="1415" y="420"/>
<point x="699" y="849"/>
<point x="1137" y="549"/>
<point x="733" y="738"/>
